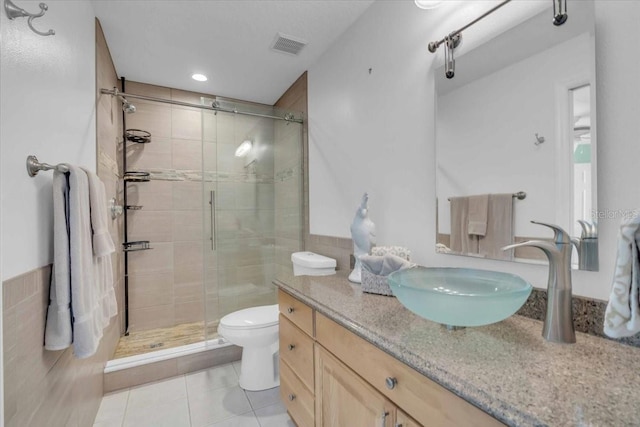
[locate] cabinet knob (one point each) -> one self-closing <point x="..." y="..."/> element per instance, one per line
<point x="391" y="383"/>
<point x="291" y="346"/>
<point x="292" y="397"/>
<point x="290" y="310"/>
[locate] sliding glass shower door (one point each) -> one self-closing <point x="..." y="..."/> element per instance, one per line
<point x="253" y="197"/>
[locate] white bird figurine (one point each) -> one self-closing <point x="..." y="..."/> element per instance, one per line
<point x="363" y="234"/>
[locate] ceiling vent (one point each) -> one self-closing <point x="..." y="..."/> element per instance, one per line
<point x="287" y="44"/>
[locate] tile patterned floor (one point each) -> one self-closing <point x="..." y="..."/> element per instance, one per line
<point x="140" y="342"/>
<point x="209" y="398"/>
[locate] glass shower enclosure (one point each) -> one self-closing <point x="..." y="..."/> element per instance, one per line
<point x="221" y="207"/>
<point x="252" y="197"/>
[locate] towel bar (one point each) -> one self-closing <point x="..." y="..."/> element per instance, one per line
<point x="520" y="195"/>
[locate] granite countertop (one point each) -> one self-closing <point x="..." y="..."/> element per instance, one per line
<point x="507" y="369"/>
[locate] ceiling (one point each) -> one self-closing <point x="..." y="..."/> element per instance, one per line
<point x="164" y="42"/>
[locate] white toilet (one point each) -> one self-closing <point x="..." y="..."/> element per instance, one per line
<point x="255" y="329"/>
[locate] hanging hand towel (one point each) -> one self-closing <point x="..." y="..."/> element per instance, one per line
<point x="478" y="206"/>
<point x="499" y="227"/>
<point x="73" y="285"/>
<point x="58" y="331"/>
<point x="461" y="241"/>
<point x="103" y="247"/>
<point x="622" y="317"/>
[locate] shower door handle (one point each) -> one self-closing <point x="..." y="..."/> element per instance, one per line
<point x="212" y="204"/>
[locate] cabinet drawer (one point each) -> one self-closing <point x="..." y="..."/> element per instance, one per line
<point x="295" y="396"/>
<point x="426" y="401"/>
<point x="298" y="312"/>
<point x="296" y="349"/>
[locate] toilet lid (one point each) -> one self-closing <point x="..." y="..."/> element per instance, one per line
<point x="252" y="318"/>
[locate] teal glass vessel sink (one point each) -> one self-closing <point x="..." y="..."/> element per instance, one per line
<point x="459" y="296"/>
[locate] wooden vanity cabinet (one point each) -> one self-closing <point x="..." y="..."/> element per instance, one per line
<point x="331" y="377"/>
<point x="296" y="349"/>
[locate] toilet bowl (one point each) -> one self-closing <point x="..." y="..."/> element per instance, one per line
<point x="255" y="329"/>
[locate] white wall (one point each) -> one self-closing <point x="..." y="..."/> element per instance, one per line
<point x="47" y="109"/>
<point x="375" y="132"/>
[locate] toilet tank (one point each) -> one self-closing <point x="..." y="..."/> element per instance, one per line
<point x="312" y="264"/>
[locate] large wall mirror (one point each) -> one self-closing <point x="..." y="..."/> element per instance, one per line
<point x="519" y="116"/>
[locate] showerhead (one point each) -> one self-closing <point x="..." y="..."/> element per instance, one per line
<point x="128" y="107"/>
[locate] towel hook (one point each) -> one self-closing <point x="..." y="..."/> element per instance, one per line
<point x="14" y="12"/>
<point x="539" y="139"/>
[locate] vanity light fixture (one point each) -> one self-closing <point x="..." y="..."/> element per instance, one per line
<point x="427" y="4"/>
<point x="199" y="77"/>
<point x="244" y="148"/>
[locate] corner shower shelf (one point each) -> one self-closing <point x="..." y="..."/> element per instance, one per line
<point x="137" y="176"/>
<point x="138" y="136"/>
<point x="140" y="245"/>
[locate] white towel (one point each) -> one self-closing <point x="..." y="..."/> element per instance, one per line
<point x="74" y="313"/>
<point x="622" y="317"/>
<point x="477" y="221"/>
<point x="58" y="332"/>
<point x="103" y="247"/>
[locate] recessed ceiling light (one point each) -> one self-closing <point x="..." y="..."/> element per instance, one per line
<point x="199" y="77"/>
<point x="427" y="4"/>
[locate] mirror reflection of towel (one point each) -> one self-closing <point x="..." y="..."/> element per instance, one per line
<point x="461" y="241"/>
<point x="499" y="228"/>
<point x="478" y="212"/>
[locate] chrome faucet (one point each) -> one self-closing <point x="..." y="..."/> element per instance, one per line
<point x="587" y="246"/>
<point x="558" y="323"/>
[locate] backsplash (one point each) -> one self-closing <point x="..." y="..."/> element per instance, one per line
<point x="588" y="315"/>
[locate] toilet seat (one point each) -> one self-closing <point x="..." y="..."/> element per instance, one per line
<point x="251" y="318"/>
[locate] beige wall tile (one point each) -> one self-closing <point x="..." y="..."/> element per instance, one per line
<point x="151" y="117"/>
<point x="148" y="90"/>
<point x="156" y="259"/>
<point x="187" y="154"/>
<point x="210" y="156"/>
<point x="188" y="195"/>
<point x="151" y="289"/>
<point x="140" y="375"/>
<point x="221" y="356"/>
<point x="187" y="312"/>
<point x="209" y="126"/>
<point x="188" y="262"/>
<point x="159" y="316"/>
<point x="186" y="124"/>
<point x="153" y="195"/>
<point x="154" y="155"/>
<point x="154" y="226"/>
<point x="187" y="225"/>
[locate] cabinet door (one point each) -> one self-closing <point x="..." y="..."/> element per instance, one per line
<point x="403" y="420"/>
<point x="344" y="399"/>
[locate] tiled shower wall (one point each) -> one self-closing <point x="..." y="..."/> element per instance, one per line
<point x="43" y="388"/>
<point x="166" y="283"/>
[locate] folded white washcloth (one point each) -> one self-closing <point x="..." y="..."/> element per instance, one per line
<point x="622" y="317"/>
<point x="384" y="265"/>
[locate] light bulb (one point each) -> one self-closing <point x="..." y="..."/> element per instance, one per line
<point x="199" y="77"/>
<point x="244" y="148"/>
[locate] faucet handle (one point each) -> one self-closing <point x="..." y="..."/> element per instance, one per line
<point x="560" y="236"/>
<point x="589" y="229"/>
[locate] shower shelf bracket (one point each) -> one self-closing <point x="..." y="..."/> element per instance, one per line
<point x="140" y="245"/>
<point x="134" y="176"/>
